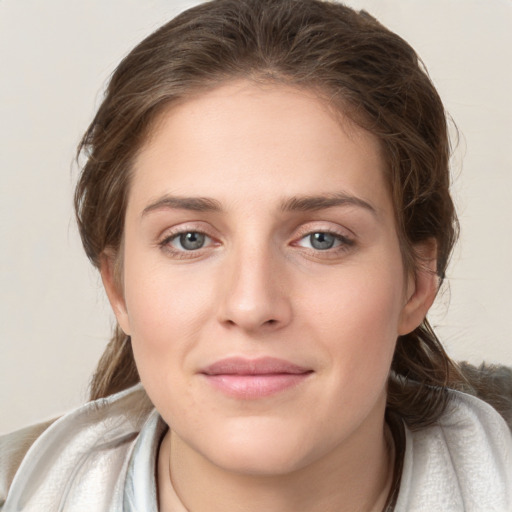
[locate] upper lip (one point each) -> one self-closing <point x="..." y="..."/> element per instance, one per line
<point x="259" y="366"/>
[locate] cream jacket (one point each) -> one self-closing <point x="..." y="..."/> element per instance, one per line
<point x="101" y="457"/>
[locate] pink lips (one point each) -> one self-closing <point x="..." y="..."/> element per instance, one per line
<point x="254" y="378"/>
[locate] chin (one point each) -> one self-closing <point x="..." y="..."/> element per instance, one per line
<point x="263" y="462"/>
<point x="259" y="449"/>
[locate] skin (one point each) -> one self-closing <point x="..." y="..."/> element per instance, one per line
<point x="258" y="287"/>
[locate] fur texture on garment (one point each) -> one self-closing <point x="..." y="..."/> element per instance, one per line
<point x="491" y="383"/>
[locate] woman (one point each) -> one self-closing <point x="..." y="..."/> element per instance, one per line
<point x="265" y="193"/>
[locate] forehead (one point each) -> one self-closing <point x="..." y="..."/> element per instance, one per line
<point x="245" y="141"/>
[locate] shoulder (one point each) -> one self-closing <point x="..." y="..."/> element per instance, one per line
<point x="13" y="448"/>
<point x="491" y="383"/>
<point x="39" y="463"/>
<point x="463" y="462"/>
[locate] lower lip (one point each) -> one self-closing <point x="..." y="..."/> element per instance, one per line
<point x="249" y="387"/>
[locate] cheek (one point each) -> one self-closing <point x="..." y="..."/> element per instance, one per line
<point x="355" y="318"/>
<point x="167" y="308"/>
<point x="356" y="300"/>
<point x="168" y="314"/>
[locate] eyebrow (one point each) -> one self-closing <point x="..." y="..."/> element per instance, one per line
<point x="320" y="202"/>
<point x="296" y="203"/>
<point x="197" y="204"/>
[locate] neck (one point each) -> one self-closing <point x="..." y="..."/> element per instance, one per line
<point x="352" y="477"/>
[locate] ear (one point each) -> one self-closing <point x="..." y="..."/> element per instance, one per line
<point x="112" y="283"/>
<point x="422" y="288"/>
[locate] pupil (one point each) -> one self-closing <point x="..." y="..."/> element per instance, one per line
<point x="192" y="240"/>
<point x="321" y="241"/>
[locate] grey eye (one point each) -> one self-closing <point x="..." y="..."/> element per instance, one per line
<point x="192" y="240"/>
<point x="322" y="241"/>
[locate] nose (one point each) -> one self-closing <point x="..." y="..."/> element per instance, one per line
<point x="256" y="297"/>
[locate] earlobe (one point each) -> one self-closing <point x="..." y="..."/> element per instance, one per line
<point x="422" y="288"/>
<point x="113" y="288"/>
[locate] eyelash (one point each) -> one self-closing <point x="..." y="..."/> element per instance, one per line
<point x="166" y="246"/>
<point x="344" y="243"/>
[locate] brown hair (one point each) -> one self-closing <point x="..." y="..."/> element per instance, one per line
<point x="368" y="72"/>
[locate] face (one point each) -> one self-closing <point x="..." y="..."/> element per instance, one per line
<point x="263" y="285"/>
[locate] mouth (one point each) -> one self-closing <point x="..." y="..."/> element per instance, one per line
<point x="248" y="379"/>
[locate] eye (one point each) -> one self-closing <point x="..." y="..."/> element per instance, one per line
<point x="323" y="241"/>
<point x="187" y="241"/>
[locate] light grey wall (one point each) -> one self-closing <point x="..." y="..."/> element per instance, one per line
<point x="55" y="56"/>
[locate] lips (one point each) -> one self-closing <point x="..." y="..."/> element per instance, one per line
<point x="254" y="378"/>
